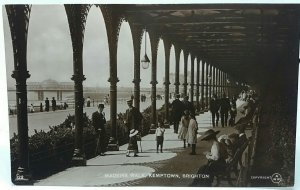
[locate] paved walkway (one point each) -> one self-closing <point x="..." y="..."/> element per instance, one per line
<point x="42" y="120"/>
<point x="149" y="169"/>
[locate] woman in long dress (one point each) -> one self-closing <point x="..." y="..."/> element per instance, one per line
<point x="184" y="124"/>
<point x="191" y="135"/>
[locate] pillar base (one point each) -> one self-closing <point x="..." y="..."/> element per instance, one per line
<point x="113" y="145"/>
<point x="23" y="177"/>
<point x="78" y="158"/>
<point x="152" y="129"/>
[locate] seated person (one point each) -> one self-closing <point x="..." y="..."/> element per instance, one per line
<point x="216" y="157"/>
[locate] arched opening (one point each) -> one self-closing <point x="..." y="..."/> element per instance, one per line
<point x="9" y="59"/>
<point x="146" y="73"/>
<point x="50" y="64"/>
<point x="172" y="72"/>
<point x="160" y="73"/>
<point x="181" y="72"/>
<point x="125" y="67"/>
<point x="95" y="62"/>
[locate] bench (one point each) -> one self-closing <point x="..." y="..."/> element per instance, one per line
<point x="232" y="165"/>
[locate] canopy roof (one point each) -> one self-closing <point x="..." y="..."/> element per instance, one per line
<point x="233" y="37"/>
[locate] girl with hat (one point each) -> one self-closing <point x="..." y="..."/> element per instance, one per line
<point x="217" y="155"/>
<point x="132" y="145"/>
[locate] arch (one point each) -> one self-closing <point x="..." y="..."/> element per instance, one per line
<point x="172" y="69"/>
<point x="181" y="71"/>
<point x="146" y="73"/>
<point x="9" y="59"/>
<point x="95" y="56"/>
<point x="125" y="57"/>
<point x="49" y="47"/>
<point x="160" y="64"/>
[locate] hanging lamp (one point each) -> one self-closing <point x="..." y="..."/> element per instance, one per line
<point x="145" y="61"/>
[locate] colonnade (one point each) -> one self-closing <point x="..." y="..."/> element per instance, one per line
<point x="209" y="78"/>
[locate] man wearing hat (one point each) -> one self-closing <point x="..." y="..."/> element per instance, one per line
<point x="99" y="121"/>
<point x="133" y="117"/>
<point x="188" y="105"/>
<point x="214" y="109"/>
<point x="177" y="112"/>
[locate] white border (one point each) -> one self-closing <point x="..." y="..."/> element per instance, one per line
<point x="5" y="182"/>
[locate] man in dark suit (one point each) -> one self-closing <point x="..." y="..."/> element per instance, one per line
<point x="224" y="109"/>
<point x="214" y="109"/>
<point x="188" y="105"/>
<point x="47" y="104"/>
<point x="133" y="117"/>
<point x="177" y="112"/>
<point x="99" y="121"/>
<point x="53" y="104"/>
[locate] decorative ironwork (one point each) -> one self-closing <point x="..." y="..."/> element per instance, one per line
<point x="77" y="15"/>
<point x="186" y="55"/>
<point x="18" y="17"/>
<point x="167" y="46"/>
<point x="192" y="77"/>
<point x="137" y="33"/>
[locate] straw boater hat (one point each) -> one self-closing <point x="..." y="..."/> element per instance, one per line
<point x="101" y="106"/>
<point x="133" y="132"/>
<point x="209" y="134"/>
<point x="129" y="100"/>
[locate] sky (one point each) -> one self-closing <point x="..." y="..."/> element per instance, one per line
<point x="49" y="53"/>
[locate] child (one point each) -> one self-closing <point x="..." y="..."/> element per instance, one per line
<point x="160" y="135"/>
<point x="132" y="145"/>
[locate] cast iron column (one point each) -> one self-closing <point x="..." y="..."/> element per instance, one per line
<point x="218" y="82"/>
<point x="167" y="46"/>
<point x="185" y="83"/>
<point x="206" y="90"/>
<point x="154" y="39"/>
<point x="113" y="23"/>
<point x="177" y="59"/>
<point x="18" y="17"/>
<point x="197" y="84"/>
<point x="214" y="81"/>
<point x="137" y="34"/>
<point x="210" y="82"/>
<point x="192" y="79"/>
<point x="77" y="18"/>
<point x="202" y="85"/>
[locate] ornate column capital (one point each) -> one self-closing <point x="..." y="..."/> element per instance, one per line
<point x="78" y="78"/>
<point x="16" y="75"/>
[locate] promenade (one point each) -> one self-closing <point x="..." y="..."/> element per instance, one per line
<point x="174" y="167"/>
<point x="42" y="120"/>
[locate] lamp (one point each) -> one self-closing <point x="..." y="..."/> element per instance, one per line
<point x="145" y="61"/>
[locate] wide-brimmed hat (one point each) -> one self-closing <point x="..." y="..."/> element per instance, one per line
<point x="209" y="134"/>
<point x="133" y="132"/>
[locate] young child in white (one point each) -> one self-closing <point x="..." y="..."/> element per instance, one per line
<point x="160" y="136"/>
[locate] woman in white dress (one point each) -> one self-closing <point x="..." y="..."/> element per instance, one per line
<point x="184" y="124"/>
<point x="191" y="135"/>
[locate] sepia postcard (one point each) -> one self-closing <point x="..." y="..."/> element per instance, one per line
<point x="137" y="95"/>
